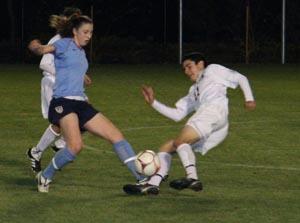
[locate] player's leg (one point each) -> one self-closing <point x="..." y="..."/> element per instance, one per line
<point x="101" y="126"/>
<point x="50" y="134"/>
<point x="165" y="158"/>
<point x="47" y="85"/>
<point x="151" y="186"/>
<point x="70" y="127"/>
<point x="215" y="138"/>
<point x="35" y="153"/>
<point x="200" y="126"/>
<point x="182" y="143"/>
<point x="187" y="135"/>
<point x="60" y="143"/>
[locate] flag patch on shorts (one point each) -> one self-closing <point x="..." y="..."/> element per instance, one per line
<point x="59" y="109"/>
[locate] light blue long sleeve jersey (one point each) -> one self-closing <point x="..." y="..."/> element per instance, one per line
<point x="71" y="66"/>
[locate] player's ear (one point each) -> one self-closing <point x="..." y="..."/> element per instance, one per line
<point x="74" y="31"/>
<point x="200" y="64"/>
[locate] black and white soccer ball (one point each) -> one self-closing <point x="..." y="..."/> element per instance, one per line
<point x="147" y="163"/>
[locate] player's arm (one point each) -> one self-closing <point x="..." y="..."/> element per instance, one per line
<point x="243" y="82"/>
<point x="250" y="103"/>
<point x="37" y="48"/>
<point x="87" y="80"/>
<point x="175" y="114"/>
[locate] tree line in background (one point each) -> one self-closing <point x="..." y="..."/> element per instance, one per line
<point x="136" y="31"/>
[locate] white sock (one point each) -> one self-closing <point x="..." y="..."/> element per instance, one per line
<point x="188" y="160"/>
<point x="47" y="138"/>
<point x="165" y="163"/>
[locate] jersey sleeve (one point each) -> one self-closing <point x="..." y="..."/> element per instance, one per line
<point x="60" y="46"/>
<point x="182" y="108"/>
<point x="233" y="79"/>
<point x="47" y="61"/>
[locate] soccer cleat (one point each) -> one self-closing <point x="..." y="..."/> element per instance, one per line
<point x="55" y="149"/>
<point x="165" y="178"/>
<point x="59" y="144"/>
<point x="43" y="183"/>
<point x="183" y="183"/>
<point x="35" y="158"/>
<point x="146" y="189"/>
<point x="142" y="181"/>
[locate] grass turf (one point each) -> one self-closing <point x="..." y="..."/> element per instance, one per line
<point x="252" y="177"/>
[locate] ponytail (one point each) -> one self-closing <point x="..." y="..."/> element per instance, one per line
<point x="57" y="22"/>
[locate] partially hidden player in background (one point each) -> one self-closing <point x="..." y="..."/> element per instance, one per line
<point x="68" y="109"/>
<point x="204" y="130"/>
<point x="47" y="83"/>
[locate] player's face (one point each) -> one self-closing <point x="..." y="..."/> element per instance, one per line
<point x="83" y="34"/>
<point x="192" y="70"/>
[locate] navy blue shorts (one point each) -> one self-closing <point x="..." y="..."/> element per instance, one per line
<point x="60" y="107"/>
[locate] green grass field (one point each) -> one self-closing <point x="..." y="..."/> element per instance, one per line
<point x="254" y="176"/>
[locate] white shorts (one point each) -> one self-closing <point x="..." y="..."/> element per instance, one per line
<point x="215" y="138"/>
<point x="211" y="123"/>
<point x="47" y="84"/>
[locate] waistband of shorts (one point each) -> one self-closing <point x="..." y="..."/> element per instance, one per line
<point x="77" y="98"/>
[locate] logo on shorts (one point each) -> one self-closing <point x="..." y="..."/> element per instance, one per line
<point x="59" y="109"/>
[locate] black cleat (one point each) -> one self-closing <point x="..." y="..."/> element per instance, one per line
<point x="146" y="189"/>
<point x="143" y="181"/>
<point x="35" y="160"/>
<point x="183" y="183"/>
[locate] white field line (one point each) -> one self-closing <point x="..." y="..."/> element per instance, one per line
<point x="178" y="126"/>
<point x="224" y="164"/>
<point x="208" y="162"/>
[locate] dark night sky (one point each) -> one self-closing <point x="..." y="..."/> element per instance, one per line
<point x="203" y="20"/>
<point x="216" y="25"/>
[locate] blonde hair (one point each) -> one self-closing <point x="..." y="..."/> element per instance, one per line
<point x="64" y="25"/>
<point x="58" y="22"/>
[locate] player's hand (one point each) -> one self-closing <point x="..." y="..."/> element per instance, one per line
<point x="87" y="80"/>
<point x="34" y="45"/>
<point x="148" y="94"/>
<point x="250" y="105"/>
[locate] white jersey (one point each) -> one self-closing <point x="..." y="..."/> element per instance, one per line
<point x="207" y="98"/>
<point x="210" y="88"/>
<point x="47" y="63"/>
<point x="48" y="67"/>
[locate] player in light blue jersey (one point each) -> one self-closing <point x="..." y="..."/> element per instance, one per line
<point x="68" y="108"/>
<point x="52" y="133"/>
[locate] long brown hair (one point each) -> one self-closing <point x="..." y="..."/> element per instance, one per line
<point x="59" y="22"/>
<point x="74" y="23"/>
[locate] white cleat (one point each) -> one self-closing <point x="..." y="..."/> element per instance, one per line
<point x="43" y="183"/>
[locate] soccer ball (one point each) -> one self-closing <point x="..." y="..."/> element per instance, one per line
<point x="147" y="163"/>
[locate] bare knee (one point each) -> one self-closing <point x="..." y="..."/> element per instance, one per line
<point x="168" y="147"/>
<point x="75" y="145"/>
<point x="115" y="137"/>
<point x="55" y="128"/>
<point x="178" y="142"/>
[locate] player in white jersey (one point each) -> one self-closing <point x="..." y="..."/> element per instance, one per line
<point x="47" y="83"/>
<point x="205" y="129"/>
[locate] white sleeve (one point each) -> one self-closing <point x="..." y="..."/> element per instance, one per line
<point x="232" y="79"/>
<point x="238" y="79"/>
<point x="47" y="63"/>
<point x="183" y="108"/>
<point x="245" y="86"/>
